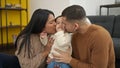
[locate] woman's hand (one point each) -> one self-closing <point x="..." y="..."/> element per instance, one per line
<point x="49" y="45"/>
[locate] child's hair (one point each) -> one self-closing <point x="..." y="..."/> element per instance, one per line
<point x="57" y="18"/>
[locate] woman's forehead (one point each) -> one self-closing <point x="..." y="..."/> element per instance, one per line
<point x="51" y="17"/>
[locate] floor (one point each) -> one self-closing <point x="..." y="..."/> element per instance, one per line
<point x="8" y="50"/>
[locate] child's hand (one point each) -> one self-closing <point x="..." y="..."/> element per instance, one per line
<point x="49" y="60"/>
<point x="43" y="34"/>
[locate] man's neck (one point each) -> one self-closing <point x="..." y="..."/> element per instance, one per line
<point x="83" y="28"/>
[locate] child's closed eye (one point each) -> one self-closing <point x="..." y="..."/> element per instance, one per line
<point x="58" y="22"/>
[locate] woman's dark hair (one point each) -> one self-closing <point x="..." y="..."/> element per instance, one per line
<point x="74" y="12"/>
<point x="35" y="26"/>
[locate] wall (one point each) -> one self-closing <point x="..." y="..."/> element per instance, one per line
<point x="55" y="5"/>
<point x="91" y="9"/>
<point x="91" y="6"/>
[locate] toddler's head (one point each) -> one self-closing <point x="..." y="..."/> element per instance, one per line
<point x="59" y="23"/>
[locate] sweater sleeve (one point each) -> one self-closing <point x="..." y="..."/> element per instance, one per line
<point x="35" y="61"/>
<point x="100" y="51"/>
<point x="32" y="62"/>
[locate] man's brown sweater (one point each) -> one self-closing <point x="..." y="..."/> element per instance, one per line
<point x="93" y="49"/>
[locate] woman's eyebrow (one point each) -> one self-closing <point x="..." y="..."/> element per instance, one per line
<point x="51" y="20"/>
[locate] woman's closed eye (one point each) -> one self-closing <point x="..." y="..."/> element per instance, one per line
<point x="51" y="22"/>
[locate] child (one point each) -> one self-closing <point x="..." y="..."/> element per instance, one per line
<point x="62" y="42"/>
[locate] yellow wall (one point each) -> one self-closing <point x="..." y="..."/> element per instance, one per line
<point x="14" y="17"/>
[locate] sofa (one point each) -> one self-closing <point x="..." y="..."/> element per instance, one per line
<point x="112" y="24"/>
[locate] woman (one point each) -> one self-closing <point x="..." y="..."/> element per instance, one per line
<point x="31" y="51"/>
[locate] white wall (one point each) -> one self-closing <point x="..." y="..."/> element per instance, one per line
<point x="91" y="6"/>
<point x="55" y="5"/>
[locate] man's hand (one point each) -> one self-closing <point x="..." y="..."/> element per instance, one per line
<point x="64" y="57"/>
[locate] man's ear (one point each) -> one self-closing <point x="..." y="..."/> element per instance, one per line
<point x="76" y="26"/>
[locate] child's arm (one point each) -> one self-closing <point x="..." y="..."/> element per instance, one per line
<point x="63" y="38"/>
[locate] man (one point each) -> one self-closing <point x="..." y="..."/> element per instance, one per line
<point x="92" y="44"/>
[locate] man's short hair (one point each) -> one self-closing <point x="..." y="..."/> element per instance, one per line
<point x="74" y="12"/>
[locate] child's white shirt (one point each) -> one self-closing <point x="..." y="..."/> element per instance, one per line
<point x="62" y="42"/>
